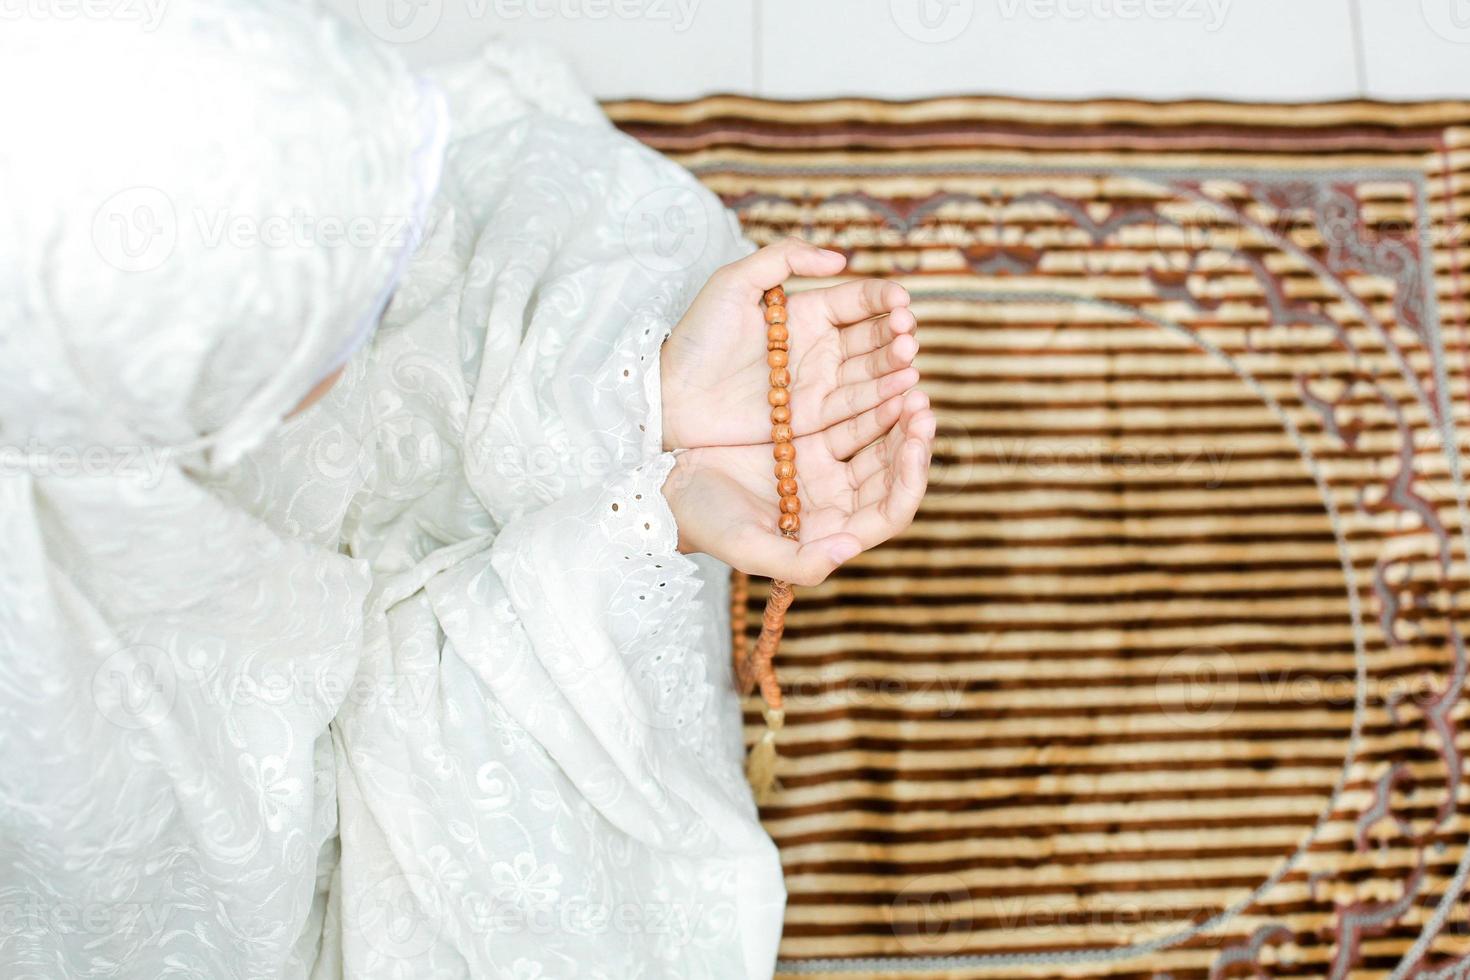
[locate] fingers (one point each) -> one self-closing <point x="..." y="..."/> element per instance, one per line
<point x="860" y="299"/>
<point x="846" y="438"/>
<point x="896" y="511"/>
<point x="806" y="563"/>
<point x="774" y="264"/>
<point x="885" y="360"/>
<point x="855" y="399"/>
<point x="873" y="334"/>
<point x="870" y="467"/>
<point x="904" y="490"/>
<point x="899" y="489"/>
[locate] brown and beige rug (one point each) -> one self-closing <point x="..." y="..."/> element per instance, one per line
<point x="1165" y="681"/>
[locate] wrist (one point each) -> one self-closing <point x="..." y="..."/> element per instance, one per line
<point x="669" y="401"/>
<point x="673" y="489"/>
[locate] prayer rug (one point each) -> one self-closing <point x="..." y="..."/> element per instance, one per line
<point x="1165" y="680"/>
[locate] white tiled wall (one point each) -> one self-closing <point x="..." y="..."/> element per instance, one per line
<point x="1415" y="49"/>
<point x="1288" y="50"/>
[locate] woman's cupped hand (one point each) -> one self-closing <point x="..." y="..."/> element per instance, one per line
<point x="863" y="433"/>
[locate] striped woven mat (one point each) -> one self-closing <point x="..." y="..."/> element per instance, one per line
<point x="1165" y="680"/>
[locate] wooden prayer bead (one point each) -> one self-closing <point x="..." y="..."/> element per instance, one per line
<point x="777" y="332"/>
<point x="775" y="314"/>
<point x="791" y="505"/>
<point x="777" y="358"/>
<point x="780" y="378"/>
<point x="778" y="396"/>
<point x="785" y="469"/>
<point x="790" y="523"/>
<point x="784" y="451"/>
<point x="781" y="413"/>
<point x="775" y="296"/>
<point x="786" y="488"/>
<point x="781" y="432"/>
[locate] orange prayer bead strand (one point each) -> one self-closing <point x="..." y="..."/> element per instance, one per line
<point x="756" y="668"/>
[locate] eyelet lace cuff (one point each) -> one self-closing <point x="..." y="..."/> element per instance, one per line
<point x="636" y="369"/>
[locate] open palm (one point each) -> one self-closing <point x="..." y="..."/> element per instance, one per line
<point x="861" y="483"/>
<point x="851" y="348"/>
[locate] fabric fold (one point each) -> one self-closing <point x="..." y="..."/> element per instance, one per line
<point x="568" y="708"/>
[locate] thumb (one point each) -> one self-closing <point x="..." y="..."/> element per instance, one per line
<point x="805" y="563"/>
<point x="774" y="264"/>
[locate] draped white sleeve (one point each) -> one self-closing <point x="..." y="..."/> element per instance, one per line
<point x="539" y="767"/>
<point x="547" y="792"/>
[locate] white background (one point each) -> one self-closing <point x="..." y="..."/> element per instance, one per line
<point x="1277" y="50"/>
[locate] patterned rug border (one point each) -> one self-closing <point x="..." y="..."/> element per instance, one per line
<point x="1433" y="113"/>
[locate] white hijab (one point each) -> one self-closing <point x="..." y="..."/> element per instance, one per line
<point x="200" y="222"/>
